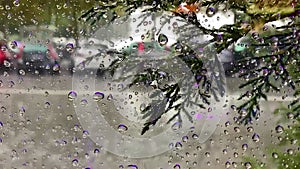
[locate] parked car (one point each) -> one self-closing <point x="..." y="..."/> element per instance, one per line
<point x="37" y="59"/>
<point x="39" y="54"/>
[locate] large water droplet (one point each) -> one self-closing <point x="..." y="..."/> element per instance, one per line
<point x="211" y="11"/>
<point x="248" y="165"/>
<point x="122" y="128"/>
<point x="177" y="166"/>
<point x="47" y="105"/>
<point x="162" y="39"/>
<point x="22" y="72"/>
<point x="70" y="47"/>
<point x="56" y="67"/>
<point x="132" y="166"/>
<point x="279" y="129"/>
<point x="75" y="162"/>
<point x="178" y="145"/>
<point x="98" y="96"/>
<point x="275" y="155"/>
<point x="109" y="97"/>
<point x="7" y="63"/>
<point x="255" y="137"/>
<point x="245" y="147"/>
<point x="72" y="95"/>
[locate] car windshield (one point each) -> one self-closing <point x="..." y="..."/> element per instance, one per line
<point x="153" y="84"/>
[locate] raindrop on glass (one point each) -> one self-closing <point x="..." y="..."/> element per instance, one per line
<point x="176" y="166"/>
<point x="245" y="147"/>
<point x="122" y="128"/>
<point x="132" y="166"/>
<point x="22" y="72"/>
<point x="275" y="155"/>
<point x="56" y="67"/>
<point x="178" y="145"/>
<point x="75" y="162"/>
<point x="210" y="11"/>
<point x="162" y="39"/>
<point x="195" y="136"/>
<point x="109" y="97"/>
<point x="7" y="63"/>
<point x="70" y="47"/>
<point x="47" y="105"/>
<point x="279" y="129"/>
<point x="255" y="137"/>
<point x="72" y="95"/>
<point x="248" y="165"/>
<point x="96" y="151"/>
<point x="83" y="102"/>
<point x="185" y="139"/>
<point x="98" y="96"/>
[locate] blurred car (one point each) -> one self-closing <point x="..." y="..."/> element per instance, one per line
<point x="36" y="59"/>
<point x="39" y="54"/>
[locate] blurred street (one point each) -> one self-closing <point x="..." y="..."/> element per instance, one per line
<point x="40" y="129"/>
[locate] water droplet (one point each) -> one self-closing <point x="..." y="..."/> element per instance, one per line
<point x="248" y="165"/>
<point x="176" y="166"/>
<point x="11" y="84"/>
<point x="290" y="151"/>
<point x="96" y="151"/>
<point x="290" y="115"/>
<point x="250" y="129"/>
<point x="279" y="129"/>
<point x="185" y="139"/>
<point x="85" y="134"/>
<point x="75" y="162"/>
<point x="210" y="11"/>
<point x="47" y="105"/>
<point x="70" y="47"/>
<point x="22" y="111"/>
<point x="7" y="63"/>
<point x="109" y="97"/>
<point x="132" y="166"/>
<point x="98" y="96"/>
<point x="81" y="66"/>
<point x="233" y="107"/>
<point x="22" y="72"/>
<point x="237" y="129"/>
<point x="245" y="147"/>
<point x="195" y="136"/>
<point x="178" y="145"/>
<point x="162" y="39"/>
<point x="72" y="95"/>
<point x="207" y="154"/>
<point x="69" y="117"/>
<point x="122" y="128"/>
<point x="227" y="164"/>
<point x="16" y="3"/>
<point x="275" y="155"/>
<point x="255" y="137"/>
<point x="83" y="102"/>
<point x="56" y="67"/>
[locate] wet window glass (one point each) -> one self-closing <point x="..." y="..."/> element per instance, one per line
<point x="149" y="84"/>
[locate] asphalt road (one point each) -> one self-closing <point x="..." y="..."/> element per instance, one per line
<point x="41" y="129"/>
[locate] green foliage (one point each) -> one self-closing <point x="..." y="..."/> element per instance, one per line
<point x="276" y="51"/>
